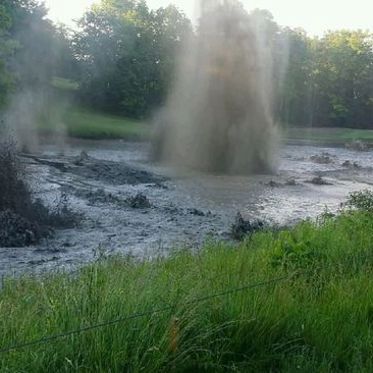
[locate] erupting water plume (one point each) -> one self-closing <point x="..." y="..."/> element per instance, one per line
<point x="218" y="116"/>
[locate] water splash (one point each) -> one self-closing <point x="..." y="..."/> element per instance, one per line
<point x="218" y="116"/>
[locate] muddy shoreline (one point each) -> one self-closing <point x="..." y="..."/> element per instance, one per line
<point x="134" y="207"/>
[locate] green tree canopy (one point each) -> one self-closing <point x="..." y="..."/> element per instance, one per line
<point x="124" y="58"/>
<point x="127" y="53"/>
<point x="344" y="78"/>
<point x="7" y="46"/>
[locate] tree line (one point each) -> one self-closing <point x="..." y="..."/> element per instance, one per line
<point x="123" y="57"/>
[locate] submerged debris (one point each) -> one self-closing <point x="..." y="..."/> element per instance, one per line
<point x="140" y="201"/>
<point x="350" y="164"/>
<point x="318" y="180"/>
<point x="196" y="212"/>
<point x="46" y="162"/>
<point x="290" y="182"/>
<point x="324" y="158"/>
<point x="242" y="228"/>
<point x="274" y="184"/>
<point x="98" y="196"/>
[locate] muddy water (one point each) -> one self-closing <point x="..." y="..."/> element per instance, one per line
<point x="186" y="209"/>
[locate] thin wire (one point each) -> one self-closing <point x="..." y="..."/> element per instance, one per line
<point x="54" y="337"/>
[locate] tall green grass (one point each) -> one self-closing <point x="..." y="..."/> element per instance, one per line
<point x="318" y="320"/>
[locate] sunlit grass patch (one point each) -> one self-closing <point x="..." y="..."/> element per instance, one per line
<point x="88" y="124"/>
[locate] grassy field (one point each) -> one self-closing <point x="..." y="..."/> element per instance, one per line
<point x="317" y="316"/>
<point x="87" y="124"/>
<point x="337" y="136"/>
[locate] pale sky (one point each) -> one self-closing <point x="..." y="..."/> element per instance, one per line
<point x="315" y="16"/>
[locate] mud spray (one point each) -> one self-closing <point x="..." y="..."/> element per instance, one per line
<point x="218" y="116"/>
<point x="36" y="106"/>
<point x="27" y="110"/>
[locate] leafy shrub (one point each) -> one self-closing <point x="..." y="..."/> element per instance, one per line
<point x="293" y="252"/>
<point x="362" y="200"/>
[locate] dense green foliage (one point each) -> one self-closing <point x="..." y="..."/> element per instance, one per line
<point x="123" y="59"/>
<point x="32" y="51"/>
<point x="6" y="49"/>
<point x="329" y="81"/>
<point x="127" y="54"/>
<point x="318" y="319"/>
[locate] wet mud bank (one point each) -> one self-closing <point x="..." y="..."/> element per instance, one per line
<point x="130" y="206"/>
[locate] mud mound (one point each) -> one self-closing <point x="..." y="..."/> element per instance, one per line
<point x="139" y="201"/>
<point x="274" y="184"/>
<point x="114" y="173"/>
<point x="24" y="220"/>
<point x="291" y="182"/>
<point x="35" y="222"/>
<point x="98" y="196"/>
<point x="16" y="231"/>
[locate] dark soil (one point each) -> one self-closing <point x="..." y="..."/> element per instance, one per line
<point x="323" y="158"/>
<point x="99" y="196"/>
<point x="350" y="164"/>
<point x="17" y="231"/>
<point x="110" y="172"/>
<point x="114" y="173"/>
<point x="24" y="220"/>
<point x="139" y="201"/>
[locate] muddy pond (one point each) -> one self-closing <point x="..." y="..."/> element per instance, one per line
<point x="129" y="205"/>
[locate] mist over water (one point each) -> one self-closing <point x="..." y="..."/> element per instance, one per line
<point x="35" y="106"/>
<point x="28" y="110"/>
<point x="218" y="116"/>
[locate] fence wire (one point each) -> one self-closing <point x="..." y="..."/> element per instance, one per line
<point x="52" y="338"/>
